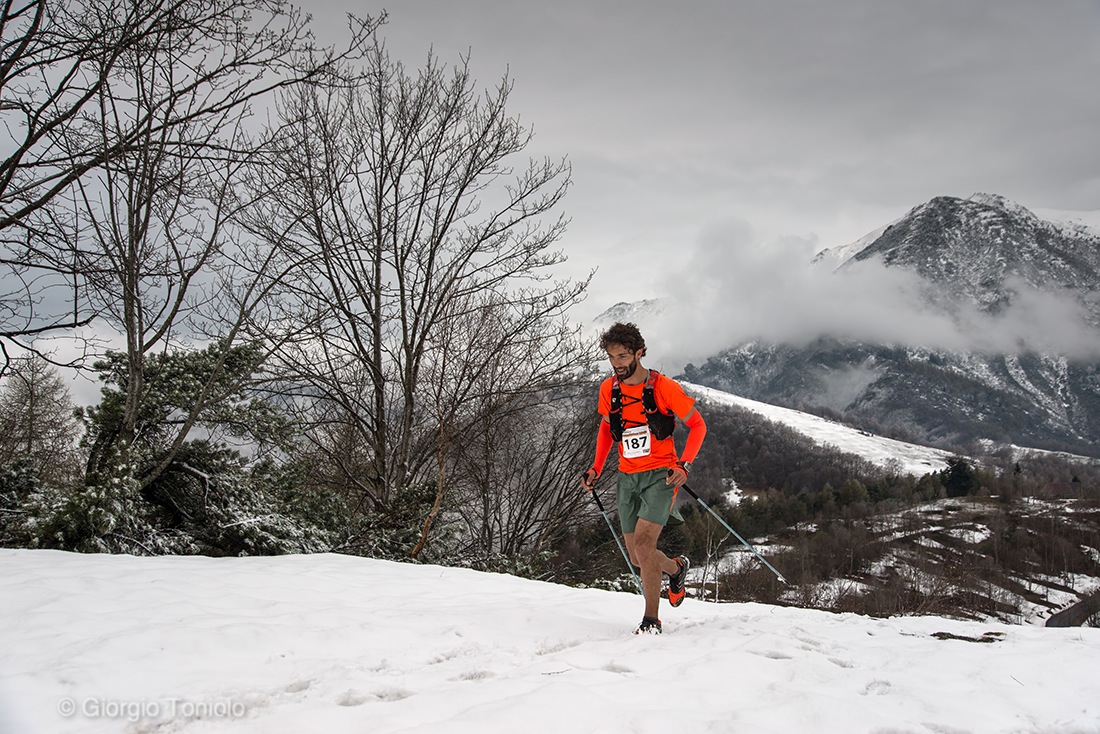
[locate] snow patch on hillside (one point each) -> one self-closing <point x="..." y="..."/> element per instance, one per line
<point x="885" y="452"/>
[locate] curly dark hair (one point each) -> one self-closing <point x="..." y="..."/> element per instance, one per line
<point x="624" y="334"/>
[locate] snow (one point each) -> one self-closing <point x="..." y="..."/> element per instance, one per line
<point x="837" y="256"/>
<point x="1023" y="452"/>
<point x="1088" y="219"/>
<point x="972" y="535"/>
<point x="886" y="452"/>
<point x="329" y="643"/>
<point x="996" y="201"/>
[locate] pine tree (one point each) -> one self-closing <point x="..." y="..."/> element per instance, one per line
<point x="37" y="423"/>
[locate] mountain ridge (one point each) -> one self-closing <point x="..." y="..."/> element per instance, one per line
<point x="981" y="248"/>
<point x="1022" y="366"/>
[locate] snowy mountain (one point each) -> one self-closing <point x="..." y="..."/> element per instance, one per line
<point x="1024" y="291"/>
<point x="638" y="312"/>
<point x="985" y="248"/>
<point x="326" y="643"/>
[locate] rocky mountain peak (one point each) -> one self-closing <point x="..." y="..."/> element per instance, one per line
<point x="1001" y="203"/>
<point x="977" y="249"/>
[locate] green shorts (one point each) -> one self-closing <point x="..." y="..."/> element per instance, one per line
<point x="645" y="495"/>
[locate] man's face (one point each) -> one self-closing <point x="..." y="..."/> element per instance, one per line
<point x="623" y="361"/>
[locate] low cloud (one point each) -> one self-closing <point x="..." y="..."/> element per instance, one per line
<point x="735" y="289"/>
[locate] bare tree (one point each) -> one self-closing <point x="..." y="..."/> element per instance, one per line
<point x="55" y="59"/>
<point x="150" y="224"/>
<point x="428" y="264"/>
<point x="506" y="453"/>
<point x="107" y="103"/>
<point x="516" y="486"/>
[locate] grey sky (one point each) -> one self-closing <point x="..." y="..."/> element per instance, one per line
<point x="805" y="124"/>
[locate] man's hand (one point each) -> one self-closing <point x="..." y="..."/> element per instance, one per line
<point x="588" y="480"/>
<point x="676" y="476"/>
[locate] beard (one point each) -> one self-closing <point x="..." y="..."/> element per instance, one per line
<point x="625" y="373"/>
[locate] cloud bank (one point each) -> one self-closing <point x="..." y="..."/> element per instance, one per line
<point x="734" y="288"/>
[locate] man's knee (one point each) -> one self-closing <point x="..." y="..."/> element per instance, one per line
<point x="628" y="541"/>
<point x="644" y="556"/>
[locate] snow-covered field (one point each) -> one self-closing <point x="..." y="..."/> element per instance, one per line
<point x="328" y="643"/>
<point x="904" y="457"/>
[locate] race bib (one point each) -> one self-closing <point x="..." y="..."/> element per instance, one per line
<point x="636" y="442"/>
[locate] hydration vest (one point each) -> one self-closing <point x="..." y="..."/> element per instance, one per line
<point x="661" y="425"/>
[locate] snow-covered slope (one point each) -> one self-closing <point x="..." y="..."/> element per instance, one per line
<point x="886" y="452"/>
<point x="334" y="644"/>
<point x="836" y="256"/>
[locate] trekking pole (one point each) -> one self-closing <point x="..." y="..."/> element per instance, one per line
<point x="744" y="542"/>
<point x="618" y="542"/>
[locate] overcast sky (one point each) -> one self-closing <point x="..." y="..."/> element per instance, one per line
<point x="773" y="129"/>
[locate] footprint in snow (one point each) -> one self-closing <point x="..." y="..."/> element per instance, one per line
<point x="298" y="686"/>
<point x="877" y="688"/>
<point x="773" y="654"/>
<point x="355" y="698"/>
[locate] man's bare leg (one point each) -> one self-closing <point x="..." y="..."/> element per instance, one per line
<point x="642" y="546"/>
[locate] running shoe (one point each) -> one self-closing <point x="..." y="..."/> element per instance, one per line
<point x="676" y="582"/>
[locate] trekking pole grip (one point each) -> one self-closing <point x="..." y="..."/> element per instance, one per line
<point x="599" y="503"/>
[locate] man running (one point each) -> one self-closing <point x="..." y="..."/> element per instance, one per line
<point x="639" y="409"/>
